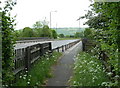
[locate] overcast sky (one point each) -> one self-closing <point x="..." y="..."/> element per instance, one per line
<point x="68" y="11"/>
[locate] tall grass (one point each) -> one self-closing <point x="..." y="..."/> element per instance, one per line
<point x="39" y="72"/>
<point x="88" y="71"/>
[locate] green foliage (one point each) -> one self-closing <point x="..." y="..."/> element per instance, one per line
<point x="54" y="34"/>
<point x="106" y="35"/>
<point x="27" y="32"/>
<point x="7" y="43"/>
<point x="79" y="35"/>
<point x="88" y="71"/>
<point x="38" y="25"/>
<point x="61" y="35"/>
<point x="99" y="21"/>
<point x="39" y="72"/>
<point x="17" y="33"/>
<point x="88" y="33"/>
<point x="39" y="30"/>
<point x="46" y="32"/>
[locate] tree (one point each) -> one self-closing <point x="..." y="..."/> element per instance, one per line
<point x="38" y="25"/>
<point x="38" y="32"/>
<point x="54" y="34"/>
<point x="7" y="42"/>
<point x="88" y="33"/>
<point x="27" y="32"/>
<point x="46" y="32"/>
<point x="61" y="35"/>
<point x="17" y="33"/>
<point x="38" y="28"/>
<point x="98" y="21"/>
<point x="79" y="35"/>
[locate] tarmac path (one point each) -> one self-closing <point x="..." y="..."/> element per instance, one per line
<point x="63" y="70"/>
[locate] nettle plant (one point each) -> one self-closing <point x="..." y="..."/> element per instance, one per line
<point x="7" y="42"/>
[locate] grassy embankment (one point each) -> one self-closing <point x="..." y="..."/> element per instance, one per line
<point x="39" y="72"/>
<point x="88" y="71"/>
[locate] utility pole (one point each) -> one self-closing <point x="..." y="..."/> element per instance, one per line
<point x="79" y="21"/>
<point x="50" y="18"/>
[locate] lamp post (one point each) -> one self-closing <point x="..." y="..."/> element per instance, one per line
<point x="79" y="22"/>
<point x="50" y="17"/>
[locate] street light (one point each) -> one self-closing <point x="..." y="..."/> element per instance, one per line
<point x="50" y="17"/>
<point x="79" y="21"/>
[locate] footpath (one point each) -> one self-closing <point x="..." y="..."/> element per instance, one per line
<point x="63" y="70"/>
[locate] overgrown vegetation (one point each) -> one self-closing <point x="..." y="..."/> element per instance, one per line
<point x="7" y="26"/>
<point x="88" y="71"/>
<point x="39" y="72"/>
<point x="105" y="34"/>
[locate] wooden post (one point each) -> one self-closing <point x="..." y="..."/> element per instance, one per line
<point x="27" y="58"/>
<point x="65" y="47"/>
<point x="62" y="48"/>
<point x="84" y="41"/>
<point x="50" y="46"/>
<point x="42" y="49"/>
<point x="58" y="49"/>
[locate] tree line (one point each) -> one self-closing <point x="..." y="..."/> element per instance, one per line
<point x="39" y="29"/>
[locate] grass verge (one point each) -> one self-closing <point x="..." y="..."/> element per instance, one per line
<point x="39" y="72"/>
<point x="88" y="71"/>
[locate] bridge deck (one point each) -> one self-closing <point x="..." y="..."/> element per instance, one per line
<point x="55" y="44"/>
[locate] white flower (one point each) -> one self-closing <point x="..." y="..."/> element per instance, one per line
<point x="25" y="68"/>
<point x="20" y="76"/>
<point x="6" y="85"/>
<point x="28" y="79"/>
<point x="36" y="83"/>
<point x="103" y="83"/>
<point x="47" y="58"/>
<point x="117" y="76"/>
<point x="109" y="73"/>
<point x="95" y="71"/>
<point x="24" y="77"/>
<point x="28" y="82"/>
<point x="80" y="66"/>
<point x="74" y="82"/>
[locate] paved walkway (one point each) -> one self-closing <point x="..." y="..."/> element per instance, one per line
<point x="63" y="70"/>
